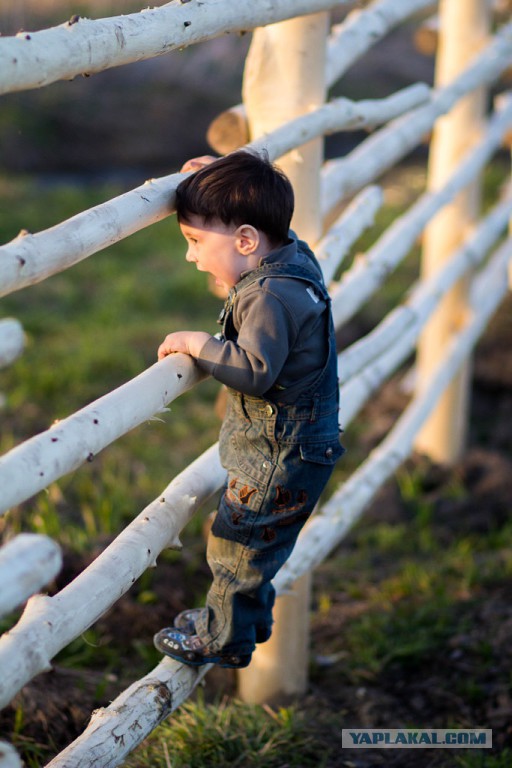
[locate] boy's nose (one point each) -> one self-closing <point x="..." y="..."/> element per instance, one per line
<point x="189" y="257"/>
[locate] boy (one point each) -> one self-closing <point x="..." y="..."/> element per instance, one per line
<point x="279" y="440"/>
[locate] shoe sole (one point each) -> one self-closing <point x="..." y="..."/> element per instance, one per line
<point x="168" y="648"/>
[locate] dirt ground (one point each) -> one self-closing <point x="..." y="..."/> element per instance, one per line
<point x="56" y="706"/>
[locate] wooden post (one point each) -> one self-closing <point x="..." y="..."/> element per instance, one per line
<point x="280" y="666"/>
<point x="284" y="77"/>
<point x="463" y="30"/>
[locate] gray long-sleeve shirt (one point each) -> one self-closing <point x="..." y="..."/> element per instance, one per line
<point x="281" y="332"/>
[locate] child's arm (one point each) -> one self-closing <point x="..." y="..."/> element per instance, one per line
<point x="188" y="342"/>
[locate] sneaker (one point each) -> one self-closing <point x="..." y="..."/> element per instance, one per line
<point x="188" y="648"/>
<point x="186" y="621"/>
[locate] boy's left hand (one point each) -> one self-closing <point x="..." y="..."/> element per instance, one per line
<point x="187" y="342"/>
<point x="196" y="163"/>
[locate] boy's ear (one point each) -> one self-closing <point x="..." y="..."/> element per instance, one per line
<point x="247" y="239"/>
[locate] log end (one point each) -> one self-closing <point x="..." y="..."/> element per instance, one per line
<point x="229" y="131"/>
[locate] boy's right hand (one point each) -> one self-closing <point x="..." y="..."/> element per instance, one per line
<point x="196" y="163"/>
<point x="187" y="342"/>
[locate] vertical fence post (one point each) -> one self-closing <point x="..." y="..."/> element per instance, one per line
<point x="463" y="30"/>
<point x="285" y="77"/>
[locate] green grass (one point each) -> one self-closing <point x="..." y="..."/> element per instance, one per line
<point x="480" y="759"/>
<point x="228" y="735"/>
<point x="415" y="591"/>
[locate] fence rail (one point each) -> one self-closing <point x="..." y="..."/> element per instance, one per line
<point x="30" y="60"/>
<point x="27" y="563"/>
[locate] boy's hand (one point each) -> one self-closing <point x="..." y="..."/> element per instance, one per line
<point x="188" y="342"/>
<point x="196" y="163"/>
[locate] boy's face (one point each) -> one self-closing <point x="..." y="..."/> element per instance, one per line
<point x="213" y="248"/>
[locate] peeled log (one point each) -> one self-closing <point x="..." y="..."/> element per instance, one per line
<point x="27" y="563"/>
<point x="348" y="42"/>
<point x="369" y="272"/>
<point x="48" y="624"/>
<point x="9" y="758"/>
<point x="341" y="178"/>
<point x="69" y="443"/>
<point x="86" y="46"/>
<point x="12" y="341"/>
<point x="328" y="527"/>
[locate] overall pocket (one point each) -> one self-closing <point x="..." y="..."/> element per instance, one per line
<point x="326" y="453"/>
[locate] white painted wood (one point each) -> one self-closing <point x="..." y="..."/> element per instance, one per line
<point x="426" y="294"/>
<point x="28" y="258"/>
<point x="369" y="272"/>
<point x="464" y="27"/>
<point x="365" y="365"/>
<point x="348" y="41"/>
<point x="288" y="648"/>
<point x="346" y="230"/>
<point x="363" y="28"/>
<point x="284" y="78"/>
<point x="31" y="258"/>
<point x="328" y="527"/>
<point x="48" y="624"/>
<point x="9" y="758"/>
<point x="426" y="37"/>
<point x="33" y="59"/>
<point x="116" y="730"/>
<point x="385" y="147"/>
<point x="69" y="443"/>
<point x="27" y="563"/>
<point x="340" y="115"/>
<point x="12" y="341"/>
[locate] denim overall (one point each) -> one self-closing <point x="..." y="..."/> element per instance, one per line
<point x="279" y="458"/>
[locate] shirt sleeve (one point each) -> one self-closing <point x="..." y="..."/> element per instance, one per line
<point x="252" y="363"/>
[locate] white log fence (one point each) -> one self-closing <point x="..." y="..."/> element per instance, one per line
<point x="28" y="259"/>
<point x="69" y="443"/>
<point x="11" y="341"/>
<point x="387" y="146"/>
<point x="33" y="59"/>
<point x="9" y="758"/>
<point x="347" y="42"/>
<point x="328" y="527"/>
<point x="27" y="564"/>
<point x="350" y="198"/>
<point x="370" y="271"/>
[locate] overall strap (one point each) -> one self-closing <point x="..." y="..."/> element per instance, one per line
<point x="295" y="271"/>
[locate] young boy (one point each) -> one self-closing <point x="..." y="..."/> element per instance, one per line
<point x="279" y="440"/>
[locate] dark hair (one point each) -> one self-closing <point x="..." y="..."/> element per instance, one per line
<point x="241" y="188"/>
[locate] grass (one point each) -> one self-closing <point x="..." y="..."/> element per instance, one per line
<point x="229" y="734"/>
<point x="415" y="591"/>
<point x="479" y="760"/>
